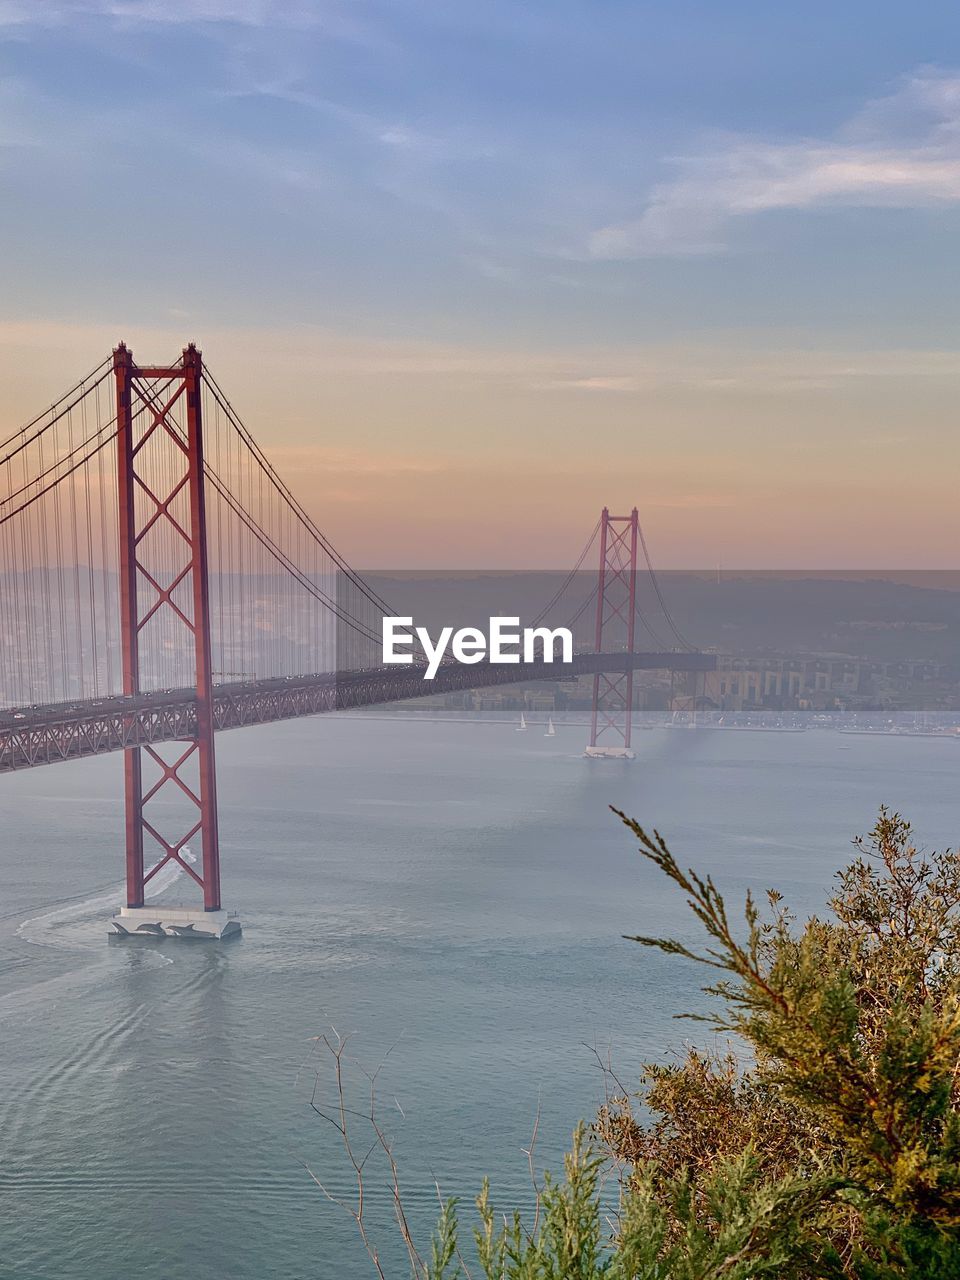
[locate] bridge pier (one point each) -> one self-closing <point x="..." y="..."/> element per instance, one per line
<point x="187" y="923"/>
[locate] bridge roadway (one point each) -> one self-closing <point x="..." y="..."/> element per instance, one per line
<point x="31" y="736"/>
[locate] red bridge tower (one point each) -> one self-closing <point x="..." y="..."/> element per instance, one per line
<point x="161" y="500"/>
<point x="611" y="721"/>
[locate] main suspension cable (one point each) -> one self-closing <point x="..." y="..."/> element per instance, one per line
<point x="291" y="499"/>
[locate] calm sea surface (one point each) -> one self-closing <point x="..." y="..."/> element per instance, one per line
<point x="452" y="892"/>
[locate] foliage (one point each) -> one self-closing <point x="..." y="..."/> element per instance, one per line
<point x="833" y="1150"/>
<point x="854" y="1026"/>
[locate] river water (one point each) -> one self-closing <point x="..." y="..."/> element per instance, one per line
<point x="453" y="895"/>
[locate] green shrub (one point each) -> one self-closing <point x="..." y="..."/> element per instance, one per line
<point x="831" y="1150"/>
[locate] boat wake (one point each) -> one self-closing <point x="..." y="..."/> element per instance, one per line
<point x="80" y="925"/>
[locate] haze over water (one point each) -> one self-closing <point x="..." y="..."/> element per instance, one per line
<point x="455" y="890"/>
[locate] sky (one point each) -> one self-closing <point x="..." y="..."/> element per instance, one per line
<point x="472" y="271"/>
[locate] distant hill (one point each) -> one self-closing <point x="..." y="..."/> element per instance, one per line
<point x="905" y="615"/>
<point x="873" y="617"/>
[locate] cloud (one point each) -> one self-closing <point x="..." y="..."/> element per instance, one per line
<point x="899" y="152"/>
<point x="251" y="13"/>
<point x="315" y="459"/>
<point x="598" y="382"/>
<point x="334" y="20"/>
<point x="279" y="377"/>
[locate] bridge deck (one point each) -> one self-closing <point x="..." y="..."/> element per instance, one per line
<point x="34" y="736"/>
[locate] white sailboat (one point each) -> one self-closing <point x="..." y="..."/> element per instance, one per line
<point x="523" y="723"/>
<point x="550" y="731"/>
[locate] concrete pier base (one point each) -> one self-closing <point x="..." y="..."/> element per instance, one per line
<point x="609" y="753"/>
<point x="186" y="923"/>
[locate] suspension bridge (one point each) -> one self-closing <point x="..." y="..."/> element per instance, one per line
<point x="160" y="582"/>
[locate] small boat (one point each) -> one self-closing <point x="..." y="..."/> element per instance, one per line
<point x="522" y="725"/>
<point x="550" y="731"/>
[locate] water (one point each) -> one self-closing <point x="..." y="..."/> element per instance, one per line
<point x="457" y="891"/>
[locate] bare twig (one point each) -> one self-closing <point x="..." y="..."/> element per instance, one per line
<point x="345" y="1120"/>
<point x="529" y="1153"/>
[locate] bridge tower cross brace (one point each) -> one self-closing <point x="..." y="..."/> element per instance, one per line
<point x="152" y="404"/>
<point x="612" y="715"/>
